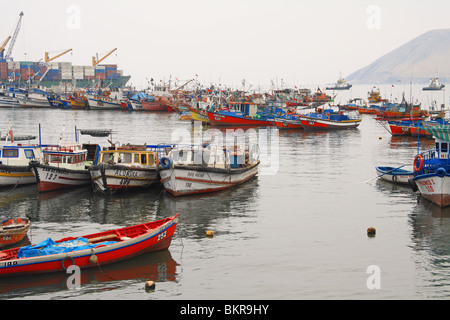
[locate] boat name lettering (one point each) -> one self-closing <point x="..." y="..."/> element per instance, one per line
<point x="196" y="174"/>
<point x="126" y="173"/>
<point x="162" y="235"/>
<point x="7" y="238"/>
<point x="427" y="182"/>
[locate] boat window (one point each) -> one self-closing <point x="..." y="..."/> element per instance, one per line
<point x="108" y="157"/>
<point x="444" y="147"/>
<point x="143" y="158"/>
<point x="124" y="158"/>
<point x="29" y="154"/>
<point x="151" y="160"/>
<point x="55" y="158"/>
<point x="64" y="159"/>
<point x="10" y="153"/>
<point x="136" y="158"/>
<point x="69" y="159"/>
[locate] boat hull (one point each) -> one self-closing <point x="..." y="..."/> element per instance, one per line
<point x="154" y="106"/>
<point x="100" y="103"/>
<point x="287" y="124"/>
<point x="434" y="188"/>
<point x="311" y="124"/>
<point x="153" y="236"/>
<point x="190" y="180"/>
<point x="114" y="177"/>
<point x="219" y="119"/>
<point x="16" y="175"/>
<point x="199" y="116"/>
<point x="395" y="175"/>
<point x="50" y="178"/>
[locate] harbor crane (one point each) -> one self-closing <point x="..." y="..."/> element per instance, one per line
<point x="48" y="59"/>
<point x="2" y="47"/>
<point x="14" y="37"/>
<point x="97" y="61"/>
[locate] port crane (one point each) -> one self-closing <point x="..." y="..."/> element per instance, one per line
<point x="14" y="37"/>
<point x="48" y="59"/>
<point x="97" y="61"/>
<point x="2" y="47"/>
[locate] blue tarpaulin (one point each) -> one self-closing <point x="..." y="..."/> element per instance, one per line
<point x="49" y="246"/>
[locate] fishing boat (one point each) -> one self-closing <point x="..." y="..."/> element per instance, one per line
<point x="236" y="118"/>
<point x="198" y="169"/>
<point x="287" y="124"/>
<point x="341" y="84"/>
<point x="8" y="100"/>
<point x="154" y="104"/>
<point x="64" y="166"/>
<point x="78" y="101"/>
<point x="328" y="119"/>
<point x="102" y="102"/>
<point x="58" y="102"/>
<point x="435" y="84"/>
<point x="13" y="231"/>
<point x="395" y="174"/>
<point x="432" y="168"/>
<point x="125" y="168"/>
<point x="14" y="161"/>
<point x="199" y="115"/>
<point x="34" y="97"/>
<point x="90" y="250"/>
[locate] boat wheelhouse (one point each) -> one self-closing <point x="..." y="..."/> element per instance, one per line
<point x="123" y="168"/>
<point x="64" y="166"/>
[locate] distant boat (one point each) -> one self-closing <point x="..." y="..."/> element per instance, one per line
<point x="341" y="84"/>
<point x="328" y="119"/>
<point x="435" y="84"/>
<point x="287" y="124"/>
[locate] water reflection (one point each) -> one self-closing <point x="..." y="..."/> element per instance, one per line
<point x="156" y="266"/>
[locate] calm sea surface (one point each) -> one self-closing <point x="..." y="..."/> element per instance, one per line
<point x="297" y="231"/>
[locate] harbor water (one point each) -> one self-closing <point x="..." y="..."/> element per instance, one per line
<point x="296" y="231"/>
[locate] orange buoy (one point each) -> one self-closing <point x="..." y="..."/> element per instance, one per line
<point x="371" y="232"/>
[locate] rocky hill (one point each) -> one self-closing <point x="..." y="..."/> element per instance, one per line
<point x="420" y="59"/>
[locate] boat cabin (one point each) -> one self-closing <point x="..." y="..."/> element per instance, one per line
<point x="20" y="155"/>
<point x="69" y="156"/>
<point x="137" y="156"/>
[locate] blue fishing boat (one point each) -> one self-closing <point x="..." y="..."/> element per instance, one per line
<point x="57" y="102"/>
<point x="394" y="174"/>
<point x="329" y="119"/>
<point x="432" y="168"/>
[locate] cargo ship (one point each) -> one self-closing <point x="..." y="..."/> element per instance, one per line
<point x="54" y="73"/>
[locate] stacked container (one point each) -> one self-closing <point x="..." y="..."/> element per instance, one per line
<point x="100" y="73"/>
<point x="3" y="69"/>
<point x="78" y="72"/>
<point x="111" y="71"/>
<point x="65" y="70"/>
<point x="89" y="72"/>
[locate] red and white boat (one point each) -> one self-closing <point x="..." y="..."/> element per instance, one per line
<point x="64" y="167"/>
<point x="225" y="118"/>
<point x="287" y="124"/>
<point x="13" y="230"/>
<point x="91" y="250"/>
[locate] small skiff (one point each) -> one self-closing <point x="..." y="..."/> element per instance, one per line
<point x="90" y="250"/>
<point x="395" y="175"/>
<point x="13" y="230"/>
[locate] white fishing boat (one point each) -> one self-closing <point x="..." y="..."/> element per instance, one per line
<point x="64" y="166"/>
<point x="34" y="98"/>
<point x="435" y="84"/>
<point x="196" y="170"/>
<point x="14" y="161"/>
<point x="124" y="168"/>
<point x="394" y="174"/>
<point x="103" y="102"/>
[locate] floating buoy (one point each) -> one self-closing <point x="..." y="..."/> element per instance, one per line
<point x="371" y="232"/>
<point x="209" y="233"/>
<point x="149" y="285"/>
<point x="379" y="138"/>
<point x="93" y="259"/>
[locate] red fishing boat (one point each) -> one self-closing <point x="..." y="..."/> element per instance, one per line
<point x="287" y="124"/>
<point x="236" y="119"/>
<point x="13" y="230"/>
<point x="90" y="250"/>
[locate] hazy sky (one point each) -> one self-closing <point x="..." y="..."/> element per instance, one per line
<point x="296" y="42"/>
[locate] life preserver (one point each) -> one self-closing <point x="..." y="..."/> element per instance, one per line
<point x="418" y="168"/>
<point x="204" y="99"/>
<point x="64" y="260"/>
<point x="196" y="98"/>
<point x="441" y="172"/>
<point x="246" y="98"/>
<point x="166" y="162"/>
